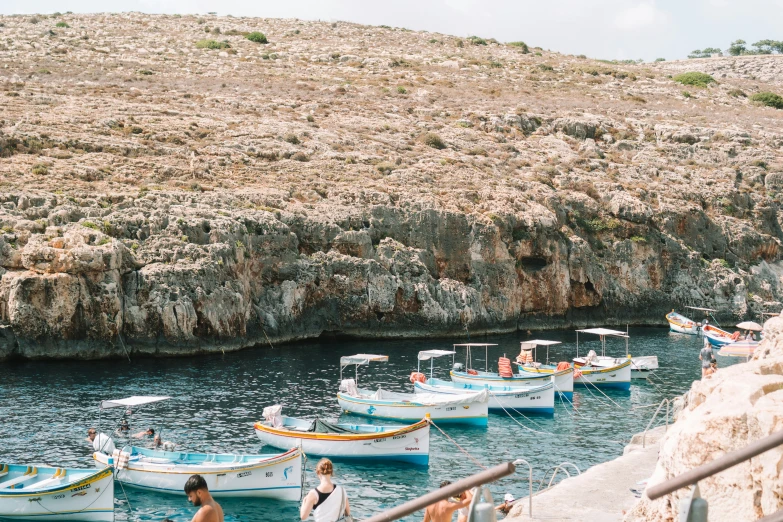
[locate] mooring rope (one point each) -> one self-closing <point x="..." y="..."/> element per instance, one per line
<point x="602" y="393"/>
<point x="520" y="413"/>
<point x="463" y="450"/>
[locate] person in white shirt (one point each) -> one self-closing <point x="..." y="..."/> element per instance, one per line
<point x="100" y="442"/>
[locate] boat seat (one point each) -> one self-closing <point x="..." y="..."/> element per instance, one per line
<point x="44" y="483"/>
<point x="18" y="480"/>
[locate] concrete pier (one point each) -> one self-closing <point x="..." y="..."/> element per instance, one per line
<point x="600" y="494"/>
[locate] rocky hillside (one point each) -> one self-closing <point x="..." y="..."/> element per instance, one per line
<point x="170" y="186"/>
<point x="725" y="412"/>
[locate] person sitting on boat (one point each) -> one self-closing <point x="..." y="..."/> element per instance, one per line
<point x="198" y="494"/>
<point x="101" y="442"/>
<point x="142" y="434"/>
<point x="750" y="336"/>
<point x="328" y="502"/>
<point x="705" y="356"/>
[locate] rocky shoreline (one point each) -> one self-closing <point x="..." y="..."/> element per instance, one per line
<point x="371" y="182"/>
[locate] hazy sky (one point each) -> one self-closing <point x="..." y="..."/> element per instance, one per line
<point x="611" y="29"/>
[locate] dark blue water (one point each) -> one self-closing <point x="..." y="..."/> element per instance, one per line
<point x="47" y="407"/>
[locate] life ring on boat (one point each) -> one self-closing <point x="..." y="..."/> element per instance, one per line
<point x="735" y="336"/>
<point x="525" y="357"/>
<point x="504" y="367"/>
<point x="562" y="365"/>
<point x="472" y="372"/>
<point x="418" y="377"/>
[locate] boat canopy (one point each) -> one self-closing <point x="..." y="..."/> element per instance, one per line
<point x="426" y="355"/>
<point x="537" y="342"/>
<point x="700" y="308"/>
<point x="474" y="345"/>
<point x="604" y="331"/>
<point x="362" y="359"/>
<point x="136" y="400"/>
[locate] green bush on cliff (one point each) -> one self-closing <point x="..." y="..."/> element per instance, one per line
<point x="770" y="99"/>
<point x="433" y="140"/>
<point x="522" y="45"/>
<point x="696" y="79"/>
<point x="212" y="44"/>
<point x="62" y="24"/>
<point x="257" y="37"/>
<point x="475" y="40"/>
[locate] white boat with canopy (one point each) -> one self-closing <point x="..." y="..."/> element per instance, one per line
<point x="562" y="372"/>
<point x="51" y="493"/>
<point x="563" y="378"/>
<point x="346" y="441"/>
<point x="641" y="367"/>
<point x="277" y="476"/>
<point x="408" y="407"/>
<point x="538" y="399"/>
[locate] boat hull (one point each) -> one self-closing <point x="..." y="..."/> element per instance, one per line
<point x="564" y="380"/>
<point x="389" y="443"/>
<point x="502" y="399"/>
<point x="278" y="477"/>
<point x="471" y="413"/>
<point x="613" y="377"/>
<point x="716" y="336"/>
<point x="681" y="324"/>
<point x="90" y="499"/>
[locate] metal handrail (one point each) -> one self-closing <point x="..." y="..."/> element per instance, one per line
<point x="657" y="410"/>
<point x="530" y="485"/>
<point x="466" y="484"/>
<point x="558" y="468"/>
<point x="716" y="466"/>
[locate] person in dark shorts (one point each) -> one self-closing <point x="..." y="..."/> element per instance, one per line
<point x="706" y="357"/>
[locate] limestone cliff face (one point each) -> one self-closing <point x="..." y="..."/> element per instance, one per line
<point x="163" y="273"/>
<point x="725" y="412"/>
<point x="160" y="195"/>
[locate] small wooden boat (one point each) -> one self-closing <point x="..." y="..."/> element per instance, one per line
<point x="47" y="493"/>
<point x="718" y="337"/>
<point x="408" y="407"/>
<point x="681" y="324"/>
<point x="277" y="476"/>
<point x="534" y="399"/>
<point x="348" y="441"/>
<point x="564" y="379"/>
<point x="641" y="366"/>
<point x="602" y="373"/>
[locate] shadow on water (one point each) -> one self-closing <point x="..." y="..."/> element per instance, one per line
<point x="46" y="408"/>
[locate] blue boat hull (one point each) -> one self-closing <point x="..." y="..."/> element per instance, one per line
<point x="624" y="386"/>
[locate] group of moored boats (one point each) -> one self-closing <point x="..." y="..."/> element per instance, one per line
<point x="730" y="344"/>
<point x="54" y="493"/>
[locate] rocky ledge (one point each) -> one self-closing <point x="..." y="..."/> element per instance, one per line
<point x="168" y="186"/>
<point x="722" y="413"/>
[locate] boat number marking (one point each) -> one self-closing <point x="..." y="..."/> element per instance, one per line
<point x="244" y="474"/>
<point x="269" y="474"/>
<point x="58" y="497"/>
<point x="534" y="398"/>
<point x="451" y="408"/>
<point x="86" y="486"/>
<point x="398" y="437"/>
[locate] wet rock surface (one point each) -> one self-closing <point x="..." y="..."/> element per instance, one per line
<point x="161" y="198"/>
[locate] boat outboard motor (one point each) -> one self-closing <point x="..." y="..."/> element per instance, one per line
<point x="458" y="367"/>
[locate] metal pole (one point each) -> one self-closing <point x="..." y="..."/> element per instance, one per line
<point x="716" y="466"/>
<point x="577" y="344"/>
<point x="432" y="360"/>
<point x="486" y="358"/>
<point x="530" y="481"/>
<point x="410" y="507"/>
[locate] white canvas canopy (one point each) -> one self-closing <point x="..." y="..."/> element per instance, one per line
<point x="534" y="344"/>
<point x="136" y="400"/>
<point x="360" y="359"/>
<point x="603" y="333"/>
<point x="700" y="308"/>
<point x="430" y="355"/>
<point x="427" y="398"/>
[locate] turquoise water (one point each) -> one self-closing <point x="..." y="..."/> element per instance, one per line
<point x="47" y="407"/>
